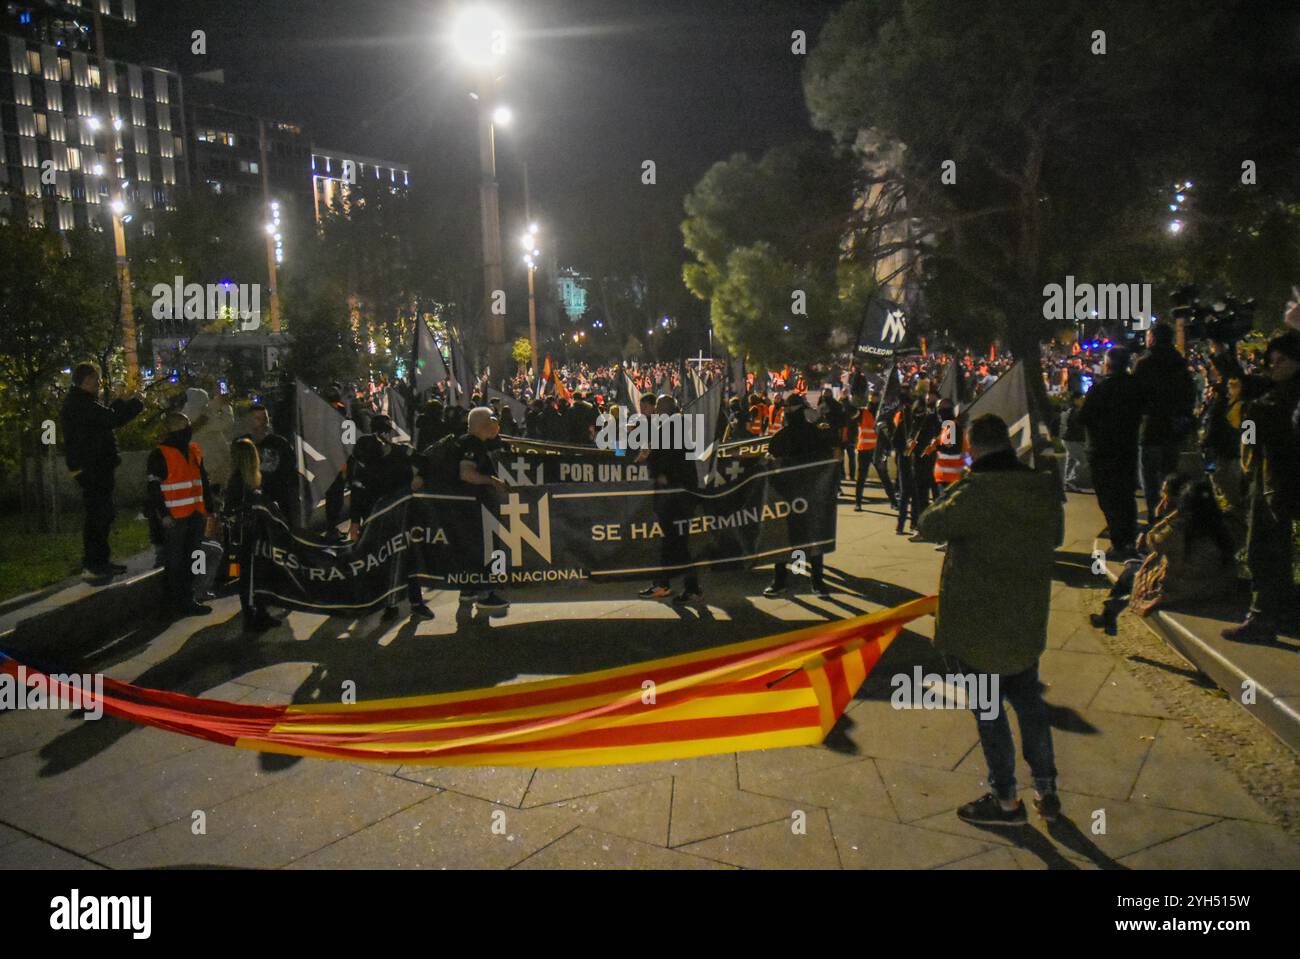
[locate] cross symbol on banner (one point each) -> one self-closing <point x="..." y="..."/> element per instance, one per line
<point x="520" y="466"/>
<point x="734" y="470"/>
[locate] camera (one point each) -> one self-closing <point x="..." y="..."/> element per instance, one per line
<point x="1223" y="320"/>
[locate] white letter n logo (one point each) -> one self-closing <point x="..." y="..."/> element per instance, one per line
<point x="517" y="533"/>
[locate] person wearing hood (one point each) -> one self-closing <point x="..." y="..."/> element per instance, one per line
<point x="1003" y="523"/>
<point x="179" y="499"/>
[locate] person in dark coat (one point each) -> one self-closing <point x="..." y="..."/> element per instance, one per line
<point x="1168" y="395"/>
<point x="799" y="440"/>
<point x="243" y="494"/>
<point x="671" y="468"/>
<point x="1111" y="416"/>
<point x="379" y="469"/>
<point x="91" y="450"/>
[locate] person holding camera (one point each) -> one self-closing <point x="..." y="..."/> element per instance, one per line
<point x="1168" y="396"/>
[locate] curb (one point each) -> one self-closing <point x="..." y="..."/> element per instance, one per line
<point x="1278" y="717"/>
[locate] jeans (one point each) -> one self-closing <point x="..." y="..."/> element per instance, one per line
<point x="1025" y="693"/>
<point x="1157" y="463"/>
<point x="1076" y="465"/>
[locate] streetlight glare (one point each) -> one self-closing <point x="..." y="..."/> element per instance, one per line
<point x="532" y="228"/>
<point x="118" y="207"/>
<point x="479" y="36"/>
<point x="501" y="116"/>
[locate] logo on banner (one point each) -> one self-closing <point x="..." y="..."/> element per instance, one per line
<point x="895" y="330"/>
<point x="514" y="535"/>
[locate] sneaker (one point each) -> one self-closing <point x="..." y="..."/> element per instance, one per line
<point x="988" y="811"/>
<point x="686" y="597"/>
<point x="773" y="590"/>
<point x="941" y="548"/>
<point x="193" y="609"/>
<point x="471" y="595"/>
<point x="421" y="611"/>
<point x="900" y="532"/>
<point x="858" y="508"/>
<point x="821" y="591"/>
<point x="389" y="614"/>
<point x="97" y="573"/>
<point x="492" y="601"/>
<point x="1048" y="806"/>
<point x="116" y="568"/>
<point x="1256" y="629"/>
<point x="260" y="622"/>
<point x="655" y="592"/>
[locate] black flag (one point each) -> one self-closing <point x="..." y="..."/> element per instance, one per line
<point x="428" y="369"/>
<point x="889" y="393"/>
<point x="464" y="379"/>
<point x="1008" y="398"/>
<point x="953" y="386"/>
<point x="886" y="329"/>
<point x="517" y="409"/>
<point x="709" y="407"/>
<point x="321" y="451"/>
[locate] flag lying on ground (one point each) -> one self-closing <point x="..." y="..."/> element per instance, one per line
<point x="784" y="690"/>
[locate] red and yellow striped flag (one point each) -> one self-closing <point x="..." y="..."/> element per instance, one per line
<point x="782" y="690"/>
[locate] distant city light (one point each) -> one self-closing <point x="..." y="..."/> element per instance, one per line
<point x="1175" y="226"/>
<point x="93" y="123"/>
<point x="1181" y="197"/>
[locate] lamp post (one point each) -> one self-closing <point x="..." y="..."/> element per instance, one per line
<point x="274" y="238"/>
<point x="479" y="37"/>
<point x="532" y="252"/>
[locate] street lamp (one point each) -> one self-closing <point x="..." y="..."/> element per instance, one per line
<point x="501" y="116"/>
<point x="478" y="35"/>
<point x="531" y="254"/>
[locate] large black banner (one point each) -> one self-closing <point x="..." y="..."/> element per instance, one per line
<point x="548" y="534"/>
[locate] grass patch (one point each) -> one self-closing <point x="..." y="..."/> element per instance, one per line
<point x="33" y="560"/>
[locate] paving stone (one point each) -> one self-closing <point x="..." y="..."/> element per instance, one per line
<point x="498" y="784"/>
<point x="918" y="792"/>
<point x="640" y="812"/>
<point x="1072" y="679"/>
<point x="444" y="831"/>
<point x="589" y="849"/>
<point x="30" y="853"/>
<point x="1121" y="693"/>
<point x="1228" y="845"/>
<point x="1180" y="774"/>
<point x="867" y="842"/>
<point x="775" y="845"/>
<point x="8" y="834"/>
<point x="848" y="785"/>
<point x="1129" y="826"/>
<point x="272" y="827"/>
<point x="552" y="785"/>
<point x="759" y="766"/>
<point x="144" y="798"/>
<point x="702" y="810"/>
<point x="930" y="737"/>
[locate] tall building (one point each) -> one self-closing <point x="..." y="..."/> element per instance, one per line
<point x="333" y="172"/>
<point x="75" y="127"/>
<point x="571" y="288"/>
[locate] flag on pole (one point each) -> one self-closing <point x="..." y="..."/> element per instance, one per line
<point x="953" y="385"/>
<point x="517" y="409"/>
<point x="464" y="377"/>
<point x="427" y="366"/>
<point x="788" y="689"/>
<point x="319" y="444"/>
<point x="633" y="394"/>
<point x="1008" y="399"/>
<point x="709" y="407"/>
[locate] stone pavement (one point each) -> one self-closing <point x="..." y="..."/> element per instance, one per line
<point x="880" y="793"/>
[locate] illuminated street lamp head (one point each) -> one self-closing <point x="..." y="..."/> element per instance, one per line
<point x="479" y="36"/>
<point x="532" y="229"/>
<point x="1175" y="226"/>
<point x="93" y="123"/>
<point x="501" y="116"/>
<point x="118" y="207"/>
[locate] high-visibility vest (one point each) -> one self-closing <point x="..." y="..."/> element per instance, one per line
<point x="754" y="423"/>
<point x="183" y="488"/>
<point x="866" y="432"/>
<point x="778" y="416"/>
<point x="949" y="467"/>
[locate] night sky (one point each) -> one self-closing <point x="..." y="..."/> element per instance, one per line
<point x="596" y="86"/>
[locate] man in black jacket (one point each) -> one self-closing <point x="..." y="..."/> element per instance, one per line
<point x="378" y="470"/>
<point x="670" y="468"/>
<point x="1110" y="416"/>
<point x="799" y="441"/>
<point x="1168" y="396"/>
<point x="91" y="450"/>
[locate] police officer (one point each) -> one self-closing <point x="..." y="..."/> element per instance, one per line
<point x="378" y="469"/>
<point x="799" y="441"/>
<point x="475" y="472"/>
<point x="180" y="499"/>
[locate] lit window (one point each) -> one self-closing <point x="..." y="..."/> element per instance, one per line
<point x="34" y="62"/>
<point x="95" y="80"/>
<point x="42" y="125"/>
